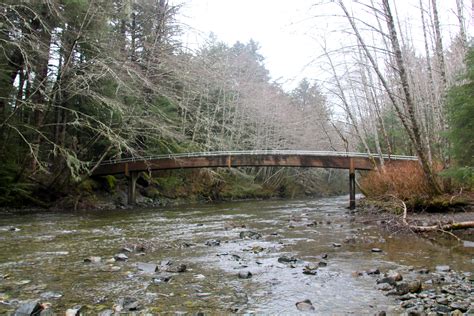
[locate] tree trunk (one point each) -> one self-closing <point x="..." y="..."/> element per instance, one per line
<point x="410" y="106"/>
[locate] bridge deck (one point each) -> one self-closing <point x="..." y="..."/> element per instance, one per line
<point x="264" y="158"/>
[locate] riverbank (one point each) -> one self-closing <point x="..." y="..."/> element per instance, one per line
<point x="440" y="216"/>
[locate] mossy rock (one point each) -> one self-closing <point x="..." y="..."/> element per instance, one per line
<point x="88" y="185"/>
<point x="109" y="183"/>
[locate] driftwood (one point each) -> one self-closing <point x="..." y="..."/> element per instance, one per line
<point x="440" y="227"/>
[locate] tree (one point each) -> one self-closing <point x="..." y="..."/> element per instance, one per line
<point x="461" y="114"/>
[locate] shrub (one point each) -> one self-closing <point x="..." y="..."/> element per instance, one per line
<point x="405" y="181"/>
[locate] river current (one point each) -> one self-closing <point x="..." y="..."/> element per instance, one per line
<point x="43" y="256"/>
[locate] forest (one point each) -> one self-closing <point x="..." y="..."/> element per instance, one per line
<point x="84" y="81"/>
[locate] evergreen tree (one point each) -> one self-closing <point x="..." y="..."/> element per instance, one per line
<point x="461" y="118"/>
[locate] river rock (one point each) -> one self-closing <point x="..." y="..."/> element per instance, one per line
<point x="443" y="268"/>
<point x="310" y="269"/>
<point x="75" y="311"/>
<point x="162" y="279"/>
<point x="424" y="271"/>
<point x="107" y="312"/>
<point x="305" y="306"/>
<point x="250" y="235"/>
<point x="383" y="287"/>
<point x="373" y="272"/>
<point x="462" y="306"/>
<point x="127" y="304"/>
<point x="443" y="309"/>
<point x="407" y="287"/>
<point x="28" y="308"/>
<point x="391" y="279"/>
<point x="50" y="295"/>
<point x="257" y="249"/>
<point x="285" y="259"/>
<point x="121" y="257"/>
<point x="93" y="259"/>
<point x="147" y="267"/>
<point x="174" y="268"/>
<point x="213" y="243"/>
<point x="322" y="264"/>
<point x="245" y="275"/>
<point x="336" y="245"/>
<point x="377" y="250"/>
<point x="350" y="240"/>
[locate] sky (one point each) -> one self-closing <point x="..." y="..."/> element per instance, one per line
<point x="287" y="31"/>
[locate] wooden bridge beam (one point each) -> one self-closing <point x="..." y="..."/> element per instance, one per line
<point x="352" y="199"/>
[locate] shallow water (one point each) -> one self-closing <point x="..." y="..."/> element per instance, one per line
<point x="45" y="258"/>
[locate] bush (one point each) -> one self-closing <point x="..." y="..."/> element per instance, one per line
<point x="405" y="181"/>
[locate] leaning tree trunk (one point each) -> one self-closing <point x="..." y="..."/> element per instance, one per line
<point x="410" y="105"/>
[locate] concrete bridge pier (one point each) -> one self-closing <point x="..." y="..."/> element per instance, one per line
<point x="132" y="187"/>
<point x="352" y="199"/>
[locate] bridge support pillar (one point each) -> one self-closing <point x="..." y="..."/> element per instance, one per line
<point x="352" y="187"/>
<point x="132" y="188"/>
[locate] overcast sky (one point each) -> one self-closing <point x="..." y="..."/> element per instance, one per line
<point x="286" y="30"/>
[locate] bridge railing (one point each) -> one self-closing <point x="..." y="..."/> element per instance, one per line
<point x="257" y="152"/>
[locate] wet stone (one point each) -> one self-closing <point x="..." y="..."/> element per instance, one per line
<point x="245" y="275"/>
<point x="322" y="264"/>
<point x="376" y="250"/>
<point x="336" y="245"/>
<point x="128" y="304"/>
<point x="28" y="308"/>
<point x="174" y="268"/>
<point x="121" y="257"/>
<point x="250" y="235"/>
<point x="310" y="269"/>
<point x="305" y="306"/>
<point x="162" y="279"/>
<point x="213" y="243"/>
<point x="75" y="311"/>
<point x="373" y="272"/>
<point x="407" y="287"/>
<point x="107" y="312"/>
<point x="383" y="287"/>
<point x="285" y="259"/>
<point x="50" y="295"/>
<point x="443" y="268"/>
<point x="93" y="259"/>
<point x="442" y="308"/>
<point x="462" y="306"/>
<point x="147" y="267"/>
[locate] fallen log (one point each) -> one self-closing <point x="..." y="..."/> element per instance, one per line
<point x="439" y="227"/>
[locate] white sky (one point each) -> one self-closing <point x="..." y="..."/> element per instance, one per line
<point x="286" y="30"/>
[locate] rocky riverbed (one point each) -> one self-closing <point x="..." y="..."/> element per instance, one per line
<point x="249" y="257"/>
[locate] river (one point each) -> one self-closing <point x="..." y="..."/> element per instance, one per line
<point x="42" y="256"/>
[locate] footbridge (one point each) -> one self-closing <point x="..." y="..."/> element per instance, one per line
<point x="351" y="161"/>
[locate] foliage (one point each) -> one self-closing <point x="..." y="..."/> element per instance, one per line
<point x="461" y="119"/>
<point x="404" y="181"/>
<point x="13" y="192"/>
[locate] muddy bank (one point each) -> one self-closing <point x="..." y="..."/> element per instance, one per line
<point x="248" y="257"/>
